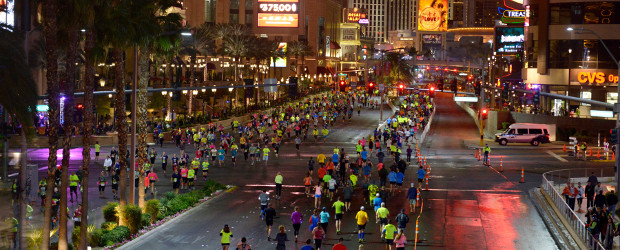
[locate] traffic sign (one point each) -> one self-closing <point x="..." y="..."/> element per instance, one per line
<point x="487" y="100"/>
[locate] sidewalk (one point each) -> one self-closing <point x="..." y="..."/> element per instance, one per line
<point x="607" y="184"/>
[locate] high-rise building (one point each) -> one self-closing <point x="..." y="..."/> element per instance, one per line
<point x="565" y="51"/>
<point x="456" y="13"/>
<point x="377" y="10"/>
<point x="401" y="14"/>
<point x="481" y="13"/>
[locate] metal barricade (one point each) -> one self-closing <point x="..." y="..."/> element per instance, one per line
<point x="558" y="200"/>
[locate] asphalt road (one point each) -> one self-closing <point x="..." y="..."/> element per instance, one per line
<point x="468" y="206"/>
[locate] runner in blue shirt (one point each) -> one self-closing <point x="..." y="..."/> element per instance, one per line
<point x="399" y="179"/>
<point x="364" y="154"/>
<point x="421" y="174"/>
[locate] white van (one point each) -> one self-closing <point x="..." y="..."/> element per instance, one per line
<point x="524" y="133"/>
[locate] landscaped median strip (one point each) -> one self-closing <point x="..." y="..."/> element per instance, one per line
<point x="170" y="205"/>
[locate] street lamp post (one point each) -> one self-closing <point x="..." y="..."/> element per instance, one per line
<point x="616" y="109"/>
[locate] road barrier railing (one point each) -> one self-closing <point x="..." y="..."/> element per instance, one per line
<point x="557" y="177"/>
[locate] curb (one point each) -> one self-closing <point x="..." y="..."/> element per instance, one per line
<point x="550" y="221"/>
<point x="427" y="128"/>
<point x="129" y="244"/>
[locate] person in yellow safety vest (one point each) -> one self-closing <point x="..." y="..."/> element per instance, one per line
<point x="205" y="169"/>
<point x="325" y="132"/>
<point x="195" y="164"/>
<point x="353" y="179"/>
<point x="191" y="176"/>
<point x="147" y="168"/>
<point x="161" y="139"/>
<point x="358" y="149"/>
<point x="73" y="184"/>
<point x="14" y="225"/>
<point x="584" y="147"/>
<point x="14" y="191"/>
<point x="486" y="151"/>
<point x="315" y="133"/>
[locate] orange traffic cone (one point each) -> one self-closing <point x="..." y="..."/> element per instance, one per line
<point x="598" y="153"/>
<point x="489" y="161"/>
<point x="522" y="180"/>
<point x="476" y="153"/>
<point x="590" y="152"/>
<point x="479" y="153"/>
<point x="417" y="200"/>
<point x="426" y="188"/>
<point x="501" y="164"/>
<point x="564" y="148"/>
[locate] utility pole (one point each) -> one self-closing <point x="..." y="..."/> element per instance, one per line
<point x="480" y="115"/>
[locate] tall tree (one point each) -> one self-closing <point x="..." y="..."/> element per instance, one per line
<point x="18" y="98"/>
<point x="49" y="13"/>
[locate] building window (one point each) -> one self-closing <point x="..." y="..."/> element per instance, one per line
<point x="234" y="4"/>
<point x="210" y="11"/>
<point x="248" y="19"/>
<point x="612" y="97"/>
<point x="233" y="18"/>
<point x="249" y="5"/>
<point x="586" y="95"/>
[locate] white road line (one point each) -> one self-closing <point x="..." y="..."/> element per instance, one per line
<point x="556" y="156"/>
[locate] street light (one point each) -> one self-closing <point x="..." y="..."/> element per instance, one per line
<point x="213" y="89"/>
<point x="164" y="93"/>
<point x="581" y="31"/>
<point x="102" y="82"/>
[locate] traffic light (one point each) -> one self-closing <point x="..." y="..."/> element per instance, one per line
<point x="342" y="85"/>
<point x="536" y="96"/>
<point x="371" y="87"/>
<point x="485" y="114"/>
<point x="470" y="77"/>
<point x="614" y="137"/>
<point x="431" y="91"/>
<point x="401" y="89"/>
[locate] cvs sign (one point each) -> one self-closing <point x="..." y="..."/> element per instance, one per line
<point x="594" y="77"/>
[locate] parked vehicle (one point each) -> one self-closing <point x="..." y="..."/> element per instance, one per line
<point x="524" y="133"/>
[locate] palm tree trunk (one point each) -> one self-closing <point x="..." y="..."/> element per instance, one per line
<point x="143" y="64"/>
<point x="23" y="201"/>
<point x="191" y="84"/>
<point x="169" y="111"/>
<point x="68" y="129"/>
<point x="121" y="119"/>
<point x="87" y="123"/>
<point x="51" y="53"/>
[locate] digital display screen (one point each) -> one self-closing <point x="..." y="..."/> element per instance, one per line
<point x="278" y="20"/>
<point x="278" y="13"/>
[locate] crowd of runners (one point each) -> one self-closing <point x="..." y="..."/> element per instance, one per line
<point x="375" y="169"/>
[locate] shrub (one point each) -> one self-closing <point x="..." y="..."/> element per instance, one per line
<point x="95" y="237"/>
<point x="108" y="225"/>
<point x="115" y="235"/>
<point x="132" y="217"/>
<point x="145" y="220"/>
<point x="75" y="235"/>
<point x="109" y="212"/>
<point x="175" y="205"/>
<point x="152" y="208"/>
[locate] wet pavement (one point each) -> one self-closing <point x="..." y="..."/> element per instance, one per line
<point x="468" y="206"/>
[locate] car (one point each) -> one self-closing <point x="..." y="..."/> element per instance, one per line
<point x="532" y="133"/>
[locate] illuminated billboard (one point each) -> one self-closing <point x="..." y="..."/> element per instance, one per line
<point x="433" y="15"/>
<point x="509" y="39"/>
<point x="355" y="15"/>
<point x="7" y="15"/>
<point x="278" y="13"/>
<point x="280" y="62"/>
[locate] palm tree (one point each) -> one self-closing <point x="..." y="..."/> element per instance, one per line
<point x="49" y="13"/>
<point x="202" y="43"/>
<point x="236" y="45"/>
<point x="261" y="51"/>
<point x="18" y="98"/>
<point x="69" y="27"/>
<point x="299" y="50"/>
<point x="162" y="35"/>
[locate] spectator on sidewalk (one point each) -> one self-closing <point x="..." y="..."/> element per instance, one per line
<point x="593" y="180"/>
<point x="580" y="193"/>
<point x="589" y="195"/>
<point x="599" y="200"/>
<point x="612" y="200"/>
